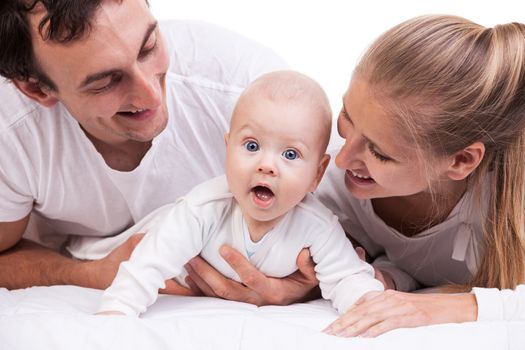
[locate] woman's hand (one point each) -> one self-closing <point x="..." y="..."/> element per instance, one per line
<point x="255" y="288"/>
<point x="379" y="312"/>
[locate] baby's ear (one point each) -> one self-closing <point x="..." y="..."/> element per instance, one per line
<point x="36" y="92"/>
<point x="323" y="164"/>
<point x="226" y="138"/>
<point x="466" y="161"/>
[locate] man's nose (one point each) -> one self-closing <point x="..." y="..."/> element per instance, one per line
<point x="147" y="92"/>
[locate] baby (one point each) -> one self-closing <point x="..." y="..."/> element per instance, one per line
<point x="276" y="147"/>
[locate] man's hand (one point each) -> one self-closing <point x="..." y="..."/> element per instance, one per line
<point x="102" y="272"/>
<point x="255" y="288"/>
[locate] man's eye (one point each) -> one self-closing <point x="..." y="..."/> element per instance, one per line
<point x="251" y="146"/>
<point x="149" y="47"/>
<point x="290" y="154"/>
<point x="114" y="80"/>
<point x="101" y="89"/>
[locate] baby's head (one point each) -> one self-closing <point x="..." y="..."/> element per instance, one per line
<point x="276" y="146"/>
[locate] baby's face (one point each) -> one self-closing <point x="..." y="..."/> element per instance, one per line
<point x="275" y="156"/>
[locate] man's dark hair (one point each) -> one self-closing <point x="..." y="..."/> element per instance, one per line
<point x="65" y="21"/>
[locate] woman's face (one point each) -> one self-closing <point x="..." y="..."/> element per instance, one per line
<point x="379" y="161"/>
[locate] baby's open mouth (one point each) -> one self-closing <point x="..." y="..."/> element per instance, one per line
<point x="263" y="193"/>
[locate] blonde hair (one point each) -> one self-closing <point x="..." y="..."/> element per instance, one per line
<point x="450" y="82"/>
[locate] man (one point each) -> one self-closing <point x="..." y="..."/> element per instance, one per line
<point x="107" y="117"/>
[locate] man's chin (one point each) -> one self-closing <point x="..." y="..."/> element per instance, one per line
<point x="151" y="130"/>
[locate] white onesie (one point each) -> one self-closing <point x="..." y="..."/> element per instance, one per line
<point x="208" y="217"/>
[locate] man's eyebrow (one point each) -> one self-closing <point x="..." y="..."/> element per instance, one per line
<point x="98" y="76"/>
<point x="150" y="30"/>
<point x="101" y="75"/>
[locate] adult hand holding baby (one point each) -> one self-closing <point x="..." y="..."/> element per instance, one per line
<point x="256" y="288"/>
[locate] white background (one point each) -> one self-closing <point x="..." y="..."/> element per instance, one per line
<point x="324" y="39"/>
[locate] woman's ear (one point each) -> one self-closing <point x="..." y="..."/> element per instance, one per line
<point x="466" y="161"/>
<point x="320" y="172"/>
<point x="36" y="92"/>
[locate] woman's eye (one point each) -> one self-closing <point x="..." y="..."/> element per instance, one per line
<point x="290" y="154"/>
<point x="378" y="155"/>
<point x="252" y="146"/>
<point x="343" y="114"/>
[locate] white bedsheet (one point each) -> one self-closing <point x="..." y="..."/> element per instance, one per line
<point x="60" y="318"/>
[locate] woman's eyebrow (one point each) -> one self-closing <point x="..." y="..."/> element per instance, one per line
<point x="370" y="141"/>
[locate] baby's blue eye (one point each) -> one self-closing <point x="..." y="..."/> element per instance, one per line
<point x="290" y="154"/>
<point x="252" y="146"/>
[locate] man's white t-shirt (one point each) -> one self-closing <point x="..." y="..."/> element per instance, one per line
<point x="48" y="165"/>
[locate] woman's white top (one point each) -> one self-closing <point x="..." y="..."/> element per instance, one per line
<point x="446" y="253"/>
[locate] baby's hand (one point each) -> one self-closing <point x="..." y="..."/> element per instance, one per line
<point x="111" y="313"/>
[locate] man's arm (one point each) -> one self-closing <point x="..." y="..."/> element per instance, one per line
<point x="24" y="263"/>
<point x="29" y="264"/>
<point x="11" y="232"/>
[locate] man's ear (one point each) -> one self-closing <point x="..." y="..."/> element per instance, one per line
<point x="36" y="92"/>
<point x="320" y="172"/>
<point x="226" y="138"/>
<point x="466" y="161"/>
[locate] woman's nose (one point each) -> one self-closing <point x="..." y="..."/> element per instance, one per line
<point x="350" y="152"/>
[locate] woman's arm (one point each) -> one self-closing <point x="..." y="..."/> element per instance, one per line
<point x="379" y="312"/>
<point x="495" y="305"/>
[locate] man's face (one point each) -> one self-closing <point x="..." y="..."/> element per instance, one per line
<point x="112" y="79"/>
